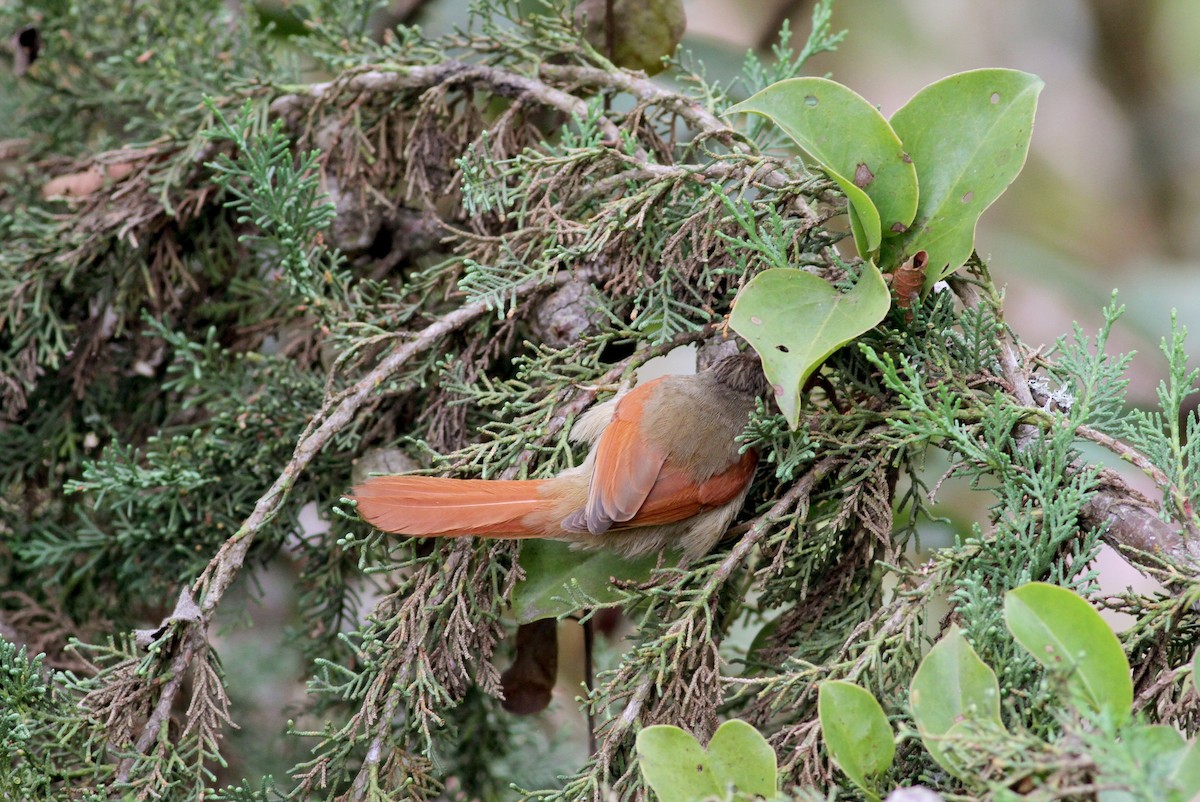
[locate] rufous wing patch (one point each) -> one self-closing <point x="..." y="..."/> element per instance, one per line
<point x="676" y="495"/>
<point x="626" y="467"/>
<point x="728" y="485"/>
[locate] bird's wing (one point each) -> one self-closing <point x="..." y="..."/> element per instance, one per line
<point x="676" y="495"/>
<point x="626" y="467"/>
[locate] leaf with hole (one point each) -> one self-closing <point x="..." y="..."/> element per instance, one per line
<point x="560" y="580"/>
<point x="952" y="686"/>
<point x="680" y="770"/>
<point x="968" y="136"/>
<point x="856" y="732"/>
<point x="1063" y="633"/>
<point x="853" y="144"/>
<point x="795" y="320"/>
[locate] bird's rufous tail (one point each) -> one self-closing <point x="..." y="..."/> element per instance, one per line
<point x="438" y="507"/>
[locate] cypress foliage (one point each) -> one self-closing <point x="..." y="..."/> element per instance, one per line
<point x="229" y="285"/>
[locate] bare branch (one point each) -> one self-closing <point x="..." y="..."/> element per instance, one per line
<point x="398" y="78"/>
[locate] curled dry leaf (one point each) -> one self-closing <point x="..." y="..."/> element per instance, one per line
<point x="85" y="182"/>
<point x="25" y="45"/>
<point x="909" y="279"/>
<point x="642" y="33"/>
<point x="529" y="681"/>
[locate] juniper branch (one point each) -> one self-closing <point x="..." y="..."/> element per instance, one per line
<point x="701" y="118"/>
<point x="194" y="641"/>
<point x="395" y="78"/>
<point x="224" y="567"/>
<point x="1132" y="523"/>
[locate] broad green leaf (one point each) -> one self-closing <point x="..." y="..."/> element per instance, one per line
<point x="795" y="320"/>
<point x="680" y="770"/>
<point x="560" y="580"/>
<point x="1187" y="771"/>
<point x="952" y="685"/>
<point x="674" y="764"/>
<point x="1196" y="670"/>
<point x="1163" y="753"/>
<point x="1068" y="637"/>
<point x="853" y="144"/>
<point x="742" y="758"/>
<point x="856" y="731"/>
<point x="968" y="136"/>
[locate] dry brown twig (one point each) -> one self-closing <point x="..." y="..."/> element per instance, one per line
<point x="399" y="78"/>
<point x="507" y="83"/>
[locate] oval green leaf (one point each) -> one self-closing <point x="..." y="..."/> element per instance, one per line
<point x="560" y="580"/>
<point x="856" y="731"/>
<point x="952" y="685"/>
<point x="741" y="757"/>
<point x="968" y="136"/>
<point x="795" y="320"/>
<point x="1161" y="752"/>
<point x="673" y="764"/>
<point x="680" y="770"/>
<point x="1069" y="638"/>
<point x="853" y="144"/>
<point x="1186" y="775"/>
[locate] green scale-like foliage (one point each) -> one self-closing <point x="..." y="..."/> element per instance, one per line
<point x="445" y="249"/>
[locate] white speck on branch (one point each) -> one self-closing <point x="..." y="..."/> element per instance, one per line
<point x="1131" y="523"/>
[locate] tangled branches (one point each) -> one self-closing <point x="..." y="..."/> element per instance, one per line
<point x="451" y="249"/>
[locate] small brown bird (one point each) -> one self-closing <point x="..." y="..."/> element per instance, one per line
<point x="664" y="470"/>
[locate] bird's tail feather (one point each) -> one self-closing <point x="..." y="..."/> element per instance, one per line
<point x="437" y="507"/>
